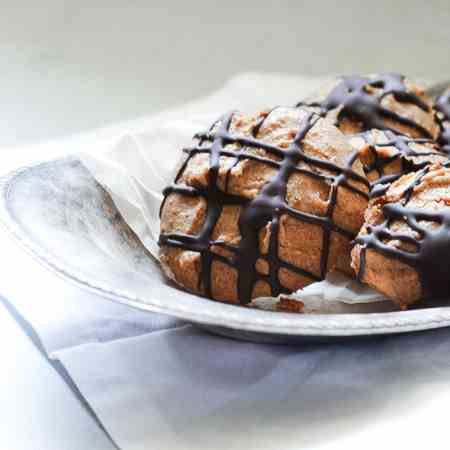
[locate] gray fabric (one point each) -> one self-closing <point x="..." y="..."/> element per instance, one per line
<point x="67" y="316"/>
<point x="183" y="388"/>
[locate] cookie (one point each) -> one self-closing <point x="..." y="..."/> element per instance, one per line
<point x="385" y="102"/>
<point x="263" y="204"/>
<point x="403" y="248"/>
<point x="387" y="156"/>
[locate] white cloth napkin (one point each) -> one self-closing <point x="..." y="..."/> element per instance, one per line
<point x="155" y="382"/>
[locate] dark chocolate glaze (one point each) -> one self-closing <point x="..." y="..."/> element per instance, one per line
<point x="430" y="250"/>
<point x="352" y="95"/>
<point x="443" y="108"/>
<point x="405" y="153"/>
<point x="265" y="209"/>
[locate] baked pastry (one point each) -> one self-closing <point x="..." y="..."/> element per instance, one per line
<point x="443" y="115"/>
<point x="385" y="102"/>
<point x="404" y="245"/>
<point x="263" y="204"/>
<point x="387" y="156"/>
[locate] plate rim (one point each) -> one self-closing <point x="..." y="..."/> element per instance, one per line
<point x="226" y="315"/>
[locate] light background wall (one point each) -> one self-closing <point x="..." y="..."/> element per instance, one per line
<point x="68" y="66"/>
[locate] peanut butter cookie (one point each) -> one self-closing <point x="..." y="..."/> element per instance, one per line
<point x="385" y="102"/>
<point x="263" y="204"/>
<point x="403" y="248"/>
<point x="387" y="156"/>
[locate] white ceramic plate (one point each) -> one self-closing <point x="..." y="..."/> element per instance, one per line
<point x="58" y="212"/>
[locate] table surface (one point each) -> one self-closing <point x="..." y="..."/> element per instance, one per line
<point x="69" y="67"/>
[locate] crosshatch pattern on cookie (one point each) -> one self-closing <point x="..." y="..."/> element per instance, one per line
<point x="266" y="208"/>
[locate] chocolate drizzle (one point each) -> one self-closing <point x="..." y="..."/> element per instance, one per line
<point x="405" y="153"/>
<point x="443" y="108"/>
<point x="266" y="209"/>
<point x="430" y="249"/>
<point x="360" y="99"/>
